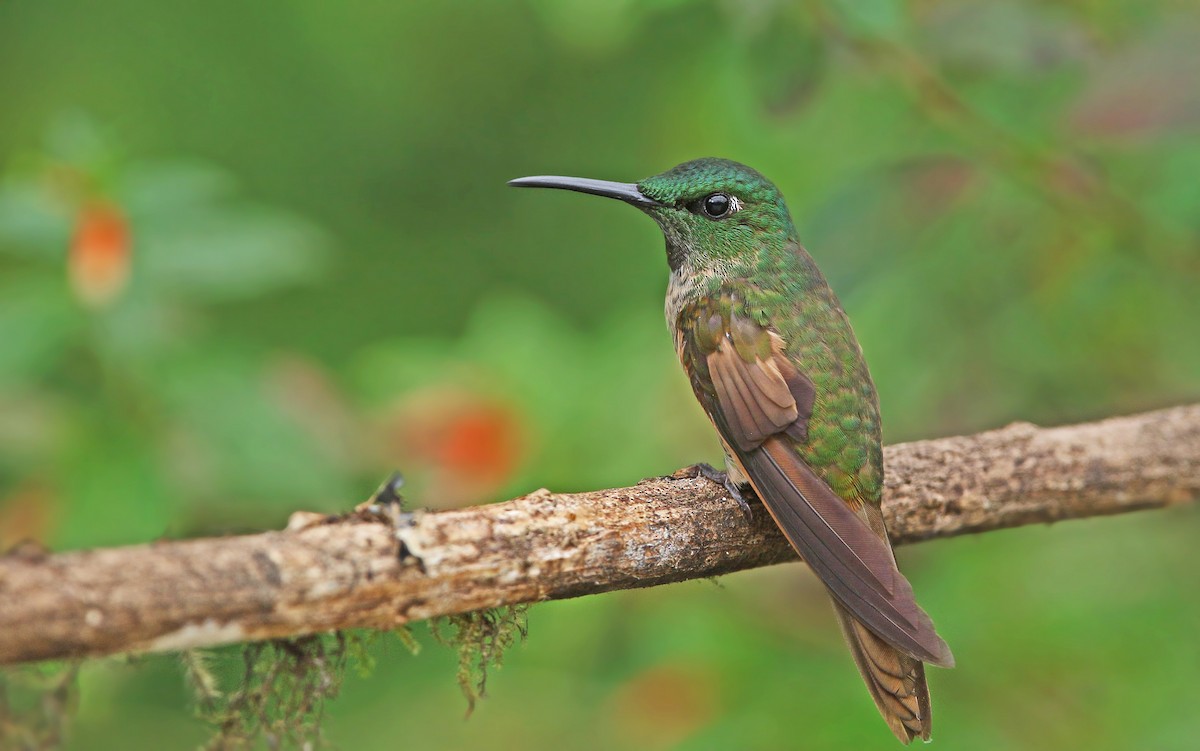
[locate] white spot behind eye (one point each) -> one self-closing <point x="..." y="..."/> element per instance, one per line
<point x="735" y="204"/>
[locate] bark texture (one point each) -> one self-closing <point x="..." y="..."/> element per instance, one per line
<point x="378" y="569"/>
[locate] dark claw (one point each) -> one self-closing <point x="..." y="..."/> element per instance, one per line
<point x="739" y="495"/>
<point x="711" y="473"/>
<point x="703" y="469"/>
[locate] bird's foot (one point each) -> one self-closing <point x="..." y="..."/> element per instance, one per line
<point x="720" y="477"/>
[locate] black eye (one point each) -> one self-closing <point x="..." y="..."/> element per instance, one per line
<point x="716" y="206"/>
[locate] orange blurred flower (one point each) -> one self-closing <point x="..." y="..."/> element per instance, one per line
<point x="467" y="446"/>
<point x="662" y="706"/>
<point x="27" y="514"/>
<point x="99" y="258"/>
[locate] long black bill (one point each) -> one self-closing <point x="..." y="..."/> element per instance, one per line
<point x="627" y="192"/>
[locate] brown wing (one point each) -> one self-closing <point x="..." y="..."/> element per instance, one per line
<point x="855" y="564"/>
<point x="760" y="402"/>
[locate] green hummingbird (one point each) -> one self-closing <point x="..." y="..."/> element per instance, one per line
<point x="774" y="363"/>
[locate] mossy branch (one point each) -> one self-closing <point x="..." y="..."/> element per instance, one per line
<point x="379" y="568"/>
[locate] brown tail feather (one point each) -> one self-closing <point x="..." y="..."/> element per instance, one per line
<point x="895" y="680"/>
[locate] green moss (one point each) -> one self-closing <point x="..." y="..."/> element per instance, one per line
<point x="281" y="694"/>
<point x="481" y="638"/>
<point x="405" y="635"/>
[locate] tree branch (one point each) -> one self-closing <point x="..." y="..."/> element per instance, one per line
<point x="375" y="570"/>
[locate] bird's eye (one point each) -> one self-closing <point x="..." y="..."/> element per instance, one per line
<point x="716" y="205"/>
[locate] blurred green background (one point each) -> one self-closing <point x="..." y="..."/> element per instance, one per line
<point x="254" y="256"/>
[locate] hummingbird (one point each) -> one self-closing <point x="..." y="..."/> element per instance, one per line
<point x="774" y="363"/>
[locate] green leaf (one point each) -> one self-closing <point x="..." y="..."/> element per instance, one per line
<point x="214" y="256"/>
<point x="37" y="323"/>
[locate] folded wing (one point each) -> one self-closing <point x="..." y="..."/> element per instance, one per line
<point x="761" y="403"/>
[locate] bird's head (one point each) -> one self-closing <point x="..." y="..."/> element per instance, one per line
<point x="714" y="213"/>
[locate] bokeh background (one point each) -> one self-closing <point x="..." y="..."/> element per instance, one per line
<point x="255" y="256"/>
